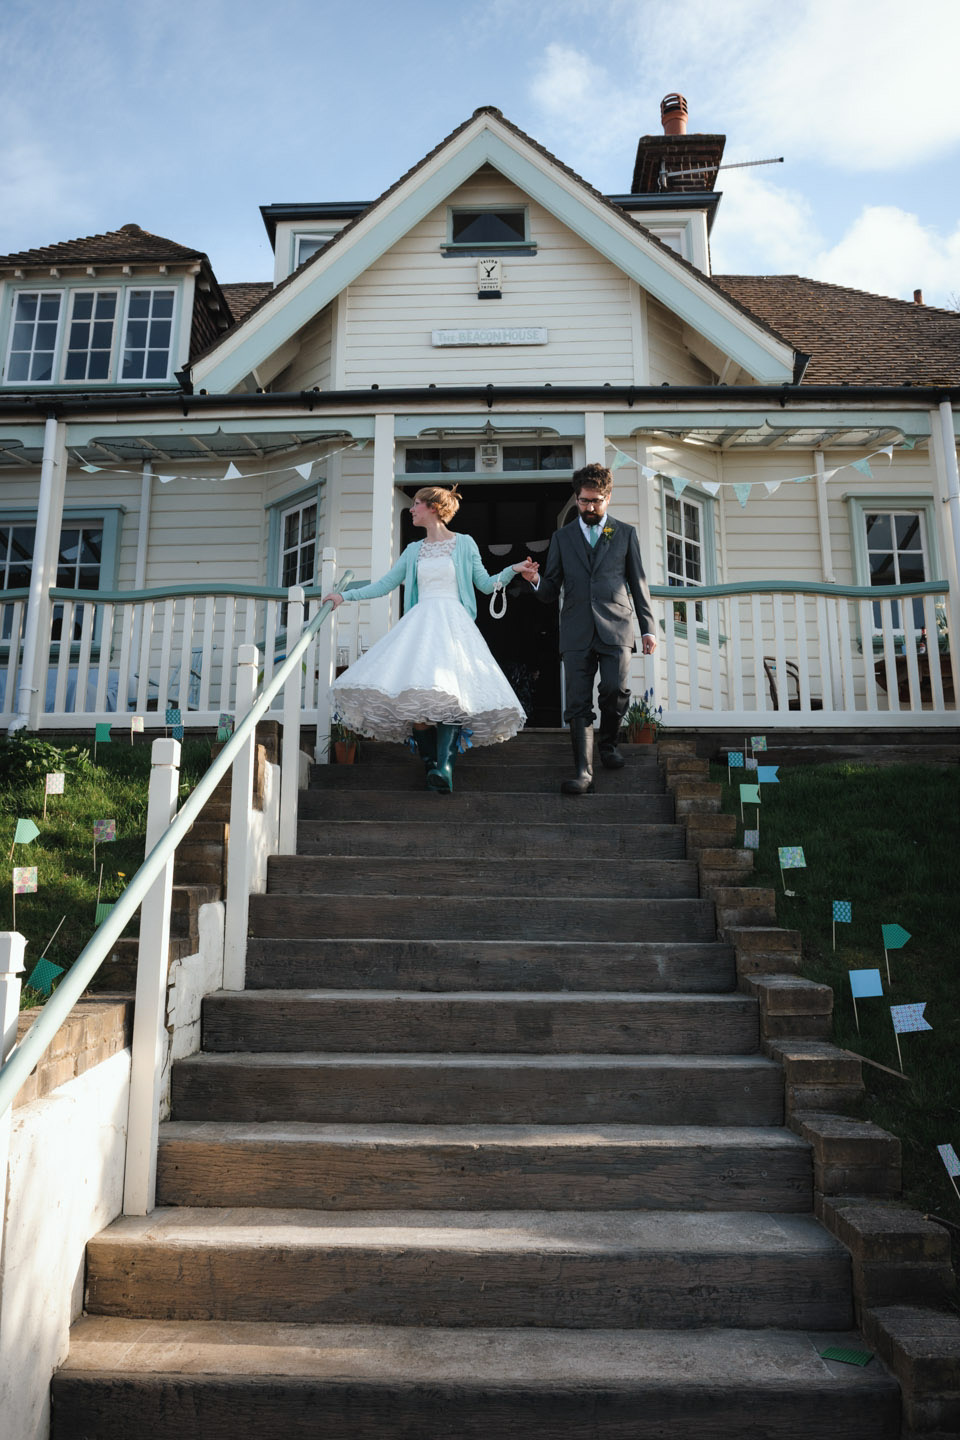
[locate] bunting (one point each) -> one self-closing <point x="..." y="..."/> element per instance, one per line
<point x="303" y="469"/>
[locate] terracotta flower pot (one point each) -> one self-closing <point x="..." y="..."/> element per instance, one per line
<point x="642" y="735"/>
<point x="345" y="752"/>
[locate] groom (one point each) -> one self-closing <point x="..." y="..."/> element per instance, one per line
<point x="597" y="562"/>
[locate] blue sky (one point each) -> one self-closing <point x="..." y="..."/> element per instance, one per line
<point x="186" y="115"/>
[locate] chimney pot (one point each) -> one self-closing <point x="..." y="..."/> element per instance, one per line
<point x="673" y="114"/>
<point x="918" y="297"/>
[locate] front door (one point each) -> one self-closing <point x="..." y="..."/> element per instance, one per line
<point x="509" y="521"/>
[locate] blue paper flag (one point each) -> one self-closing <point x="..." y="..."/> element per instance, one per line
<point x="735" y="759"/>
<point x="909" y="1017"/>
<point x="25" y="832"/>
<point x="173" y="717"/>
<point x="949" y="1157"/>
<point x="767" y="774"/>
<point x="894" y="937"/>
<point x="842" y="912"/>
<point x="865" y="983"/>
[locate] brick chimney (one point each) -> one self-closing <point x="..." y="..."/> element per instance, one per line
<point x="658" y="156"/>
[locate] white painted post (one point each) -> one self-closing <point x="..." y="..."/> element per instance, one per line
<point x="36" y="638"/>
<point x="326" y="651"/>
<point x="150" y="1012"/>
<point x="594" y="437"/>
<point x="238" y="857"/>
<point x="381" y="526"/>
<point x="12" y="946"/>
<point x="290" y="773"/>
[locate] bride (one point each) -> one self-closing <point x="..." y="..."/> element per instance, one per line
<point x="433" y="672"/>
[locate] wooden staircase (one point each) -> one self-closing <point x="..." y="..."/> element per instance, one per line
<point x="487" y="1148"/>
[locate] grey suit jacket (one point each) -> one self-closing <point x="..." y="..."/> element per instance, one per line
<point x="597" y="585"/>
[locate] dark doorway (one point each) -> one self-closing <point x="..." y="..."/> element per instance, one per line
<point x="516" y="517"/>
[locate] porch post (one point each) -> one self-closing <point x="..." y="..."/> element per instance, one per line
<point x="594" y="442"/>
<point x="12" y="947"/>
<point x="943" y="446"/>
<point x="823" y="520"/>
<point x="43" y="574"/>
<point x="381" y="528"/>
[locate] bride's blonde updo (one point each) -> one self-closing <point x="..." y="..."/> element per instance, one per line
<point x="445" y="502"/>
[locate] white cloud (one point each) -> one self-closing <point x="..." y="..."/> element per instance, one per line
<point x="890" y="252"/>
<point x="763" y="228"/>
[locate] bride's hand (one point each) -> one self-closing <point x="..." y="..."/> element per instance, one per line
<point x="528" y="568"/>
<point x="334" y="597"/>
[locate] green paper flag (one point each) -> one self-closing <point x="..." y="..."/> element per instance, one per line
<point x="103" y="910"/>
<point x="102" y="733"/>
<point x="894" y="937"/>
<point x="43" y="975"/>
<point x="845" y="1356"/>
<point x="25" y="832"/>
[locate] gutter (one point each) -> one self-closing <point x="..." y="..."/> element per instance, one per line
<point x="397" y="397"/>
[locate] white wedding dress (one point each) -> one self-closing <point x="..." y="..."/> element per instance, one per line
<point x="434" y="665"/>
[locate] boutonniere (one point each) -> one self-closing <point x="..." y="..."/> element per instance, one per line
<point x="607" y="531"/>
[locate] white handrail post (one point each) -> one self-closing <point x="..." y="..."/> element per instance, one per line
<point x="238" y="855"/>
<point x="150" y="1012"/>
<point x="290" y="772"/>
<point x="12" y="946"/>
<point x="326" y="659"/>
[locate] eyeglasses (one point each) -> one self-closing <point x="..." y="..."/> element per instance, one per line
<point x="591" y="499"/>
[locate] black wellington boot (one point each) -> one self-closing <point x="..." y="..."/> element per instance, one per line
<point x="581" y="737"/>
<point x="610" y="757"/>
<point x="426" y="743"/>
<point x="440" y="778"/>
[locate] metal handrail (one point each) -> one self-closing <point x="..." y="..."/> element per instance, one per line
<point x="29" y="1050"/>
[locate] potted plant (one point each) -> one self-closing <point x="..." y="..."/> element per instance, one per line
<point x="642" y="723"/>
<point x="344" y="742"/>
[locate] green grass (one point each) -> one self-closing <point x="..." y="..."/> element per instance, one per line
<point x="886" y="838"/>
<point x="114" y="788"/>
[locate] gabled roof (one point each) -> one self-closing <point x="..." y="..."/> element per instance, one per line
<point x="853" y="337"/>
<point x="487" y="138"/>
<point x="243" y="295"/>
<point x="127" y="246"/>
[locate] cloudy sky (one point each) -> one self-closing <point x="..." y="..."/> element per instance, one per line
<point x="186" y="115"/>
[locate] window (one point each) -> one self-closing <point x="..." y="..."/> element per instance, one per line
<point x="146" y="342"/>
<point x="33" y="343"/>
<point x="895" y="556"/>
<point x="684" y="534"/>
<point x="90" y="335"/>
<point x="441" y="460"/>
<point x="307" y="245"/>
<point x="538" y="457"/>
<point x="298" y="546"/>
<point x="86" y="559"/>
<point x="16" y="562"/>
<point x="488" y="230"/>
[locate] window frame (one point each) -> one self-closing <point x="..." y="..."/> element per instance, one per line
<point x="859" y="506"/>
<point x="72" y="295"/>
<point x="708" y="548"/>
<point x="145" y="379"/>
<point x="526" y="246"/>
<point x="299" y="236"/>
<point x="108" y="519"/>
<point x="15" y="296"/>
<point x="276" y="510"/>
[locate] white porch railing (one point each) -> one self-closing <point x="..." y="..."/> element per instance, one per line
<point x="780" y="654"/>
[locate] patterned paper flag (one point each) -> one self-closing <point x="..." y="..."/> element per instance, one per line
<point x="177" y="732"/>
<point x="224" y="726"/>
<point x="909" y="1017"/>
<point x="843" y="913"/>
<point x="791" y="857"/>
<point x="25" y="880"/>
<point x="173" y="717"/>
<point x="735" y="759"/>
<point x="103" y="910"/>
<point x="104" y="831"/>
<point x="102" y="733"/>
<point x="949" y="1157"/>
<point x="865" y="983"/>
<point x="749" y="794"/>
<point x="43" y="975"/>
<point x="751" y="762"/>
<point x="136" y="725"/>
<point x="53" y="784"/>
<point x="894" y="937"/>
<point x="751" y="839"/>
<point x="25" y="832"/>
<point x="758" y="742"/>
<point x="767" y="774"/>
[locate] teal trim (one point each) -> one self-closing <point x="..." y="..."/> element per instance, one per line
<point x="625" y="423"/>
<point x="703" y="635"/>
<point x="799" y="587"/>
<point x="457" y="477"/>
<point x="684" y="293"/>
<point x="568" y="424"/>
<point x="858" y="505"/>
<point x="523" y="210"/>
<point x="275" y="509"/>
<point x="327" y="427"/>
<point x="708" y="543"/>
<point x="77" y="978"/>
<point x="109" y="518"/>
<point x="170" y="592"/>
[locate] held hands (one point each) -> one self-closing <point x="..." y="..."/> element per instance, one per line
<point x="529" y="569"/>
<point x="649" y="644"/>
<point x="334" y="597"/>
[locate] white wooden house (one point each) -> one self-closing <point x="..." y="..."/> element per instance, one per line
<point x="175" y="454"/>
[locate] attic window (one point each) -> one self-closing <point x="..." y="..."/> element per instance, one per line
<point x="488" y="231"/>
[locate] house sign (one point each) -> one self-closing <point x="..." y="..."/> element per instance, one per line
<point x="520" y="335"/>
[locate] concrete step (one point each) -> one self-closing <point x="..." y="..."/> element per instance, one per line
<point x="221" y="1379"/>
<point x="532" y="1024"/>
<point x="486" y="807"/>
<point x="458" y="839"/>
<point x="484" y="1167"/>
<point x="447" y="879"/>
<point x="492" y="1089"/>
<point x="528" y="965"/>
<point x="404" y="775"/>
<point x="413" y="917"/>
<point x="578" y="1269"/>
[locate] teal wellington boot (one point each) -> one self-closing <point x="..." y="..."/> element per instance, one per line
<point x="426" y="743"/>
<point x="440" y="778"/>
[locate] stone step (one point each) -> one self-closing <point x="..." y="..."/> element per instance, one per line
<point x="532" y="1024"/>
<point x="579" y="1269"/>
<point x="530" y="965"/>
<point x="483" y="806"/>
<point x="446" y="880"/>
<point x="423" y="1089"/>
<point x="401" y="776"/>
<point x="412" y="917"/>
<point x="459" y="839"/>
<point x="484" y="1167"/>
<point x="222" y="1379"/>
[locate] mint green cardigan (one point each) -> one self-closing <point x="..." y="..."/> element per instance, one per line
<point x="466" y="562"/>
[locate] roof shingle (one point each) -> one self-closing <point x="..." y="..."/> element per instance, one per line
<point x="128" y="245"/>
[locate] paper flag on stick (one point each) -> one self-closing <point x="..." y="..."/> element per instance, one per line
<point x="894" y="937"/>
<point x="177" y="732"/>
<point x="25" y="832"/>
<point x="102" y="733"/>
<point x="53" y="785"/>
<point x="751" y="839"/>
<point x="846" y="1356"/>
<point x="865" y="983"/>
<point x="103" y="910"/>
<point x="173" y="717"/>
<point x="758" y="742"/>
<point x="25" y="880"/>
<point x="791" y="857"/>
<point x="43" y="975"/>
<point x="843" y="913"/>
<point x="749" y="794"/>
<point x="734" y="760"/>
<point x="750" y="762"/>
<point x="767" y="774"/>
<point x="907" y="1018"/>
<point x="104" y="831"/>
<point x="949" y="1157"/>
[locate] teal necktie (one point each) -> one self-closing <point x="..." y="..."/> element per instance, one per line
<point x="594" y="533"/>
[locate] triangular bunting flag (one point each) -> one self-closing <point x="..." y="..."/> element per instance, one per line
<point x="742" y="492"/>
<point x="305" y="469"/>
<point x="888" y="451"/>
<point x="165" y="479"/>
<point x="711" y="487"/>
<point x="619" y="460"/>
<point x="232" y="473"/>
<point x="92" y="469"/>
<point x="678" y="485"/>
<point x="863" y="466"/>
<point x="772" y="486"/>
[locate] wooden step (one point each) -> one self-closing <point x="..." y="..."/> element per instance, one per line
<point x="578" y="1269"/>
<point x="485" y="806"/>
<point x="503" y="779"/>
<point x="406" y="917"/>
<point x="458" y="839"/>
<point x="446" y="878"/>
<point x="221" y="1379"/>
<point x="510" y="1022"/>
<point x="494" y="1089"/>
<point x="530" y="965"/>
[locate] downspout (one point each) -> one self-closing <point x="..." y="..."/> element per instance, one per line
<point x="143" y="542"/>
<point x="823" y="520"/>
<point x="29" y="700"/>
<point x="952" y="476"/>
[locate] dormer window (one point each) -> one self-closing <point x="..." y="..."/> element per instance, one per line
<point x="502" y="229"/>
<point x="72" y="336"/>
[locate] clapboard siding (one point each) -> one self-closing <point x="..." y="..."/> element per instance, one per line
<point x="670" y="360"/>
<point x="311" y="367"/>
